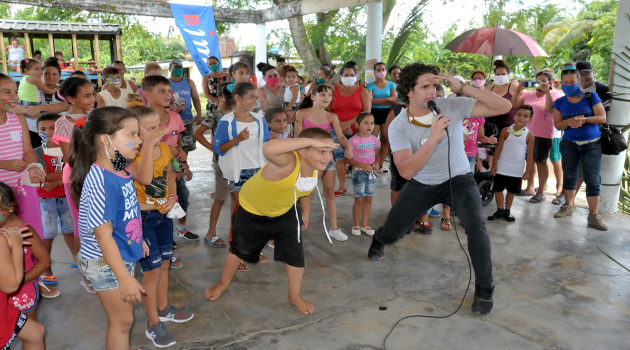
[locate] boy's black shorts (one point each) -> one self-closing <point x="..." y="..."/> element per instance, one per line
<point x="512" y="184"/>
<point x="251" y="232"/>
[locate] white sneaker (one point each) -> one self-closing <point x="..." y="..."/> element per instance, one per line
<point x="338" y="235"/>
<point x="367" y="230"/>
<point x="356" y="232"/>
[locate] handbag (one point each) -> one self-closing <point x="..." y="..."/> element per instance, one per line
<point x="612" y="140"/>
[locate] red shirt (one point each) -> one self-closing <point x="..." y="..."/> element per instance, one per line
<point x="51" y="164"/>
<point x="347" y="108"/>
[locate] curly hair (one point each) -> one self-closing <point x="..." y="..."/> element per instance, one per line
<point x="409" y="76"/>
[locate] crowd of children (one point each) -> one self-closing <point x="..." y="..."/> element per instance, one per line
<point x="110" y="175"/>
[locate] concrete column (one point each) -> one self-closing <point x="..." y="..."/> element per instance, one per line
<point x="374" y="38"/>
<point x="619" y="115"/>
<point x="261" y="48"/>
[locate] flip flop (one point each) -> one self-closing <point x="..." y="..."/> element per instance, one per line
<point x="214" y="242"/>
<point x="88" y="287"/>
<point x="50" y="294"/>
<point x="242" y="267"/>
<point x="48" y="280"/>
<point x="74" y="266"/>
<point x="537" y="199"/>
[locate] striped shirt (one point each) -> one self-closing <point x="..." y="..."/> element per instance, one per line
<point x="119" y="206"/>
<point x="11" y="147"/>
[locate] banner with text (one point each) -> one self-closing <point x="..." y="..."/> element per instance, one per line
<point x="196" y="24"/>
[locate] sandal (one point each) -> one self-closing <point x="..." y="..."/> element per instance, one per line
<point x="446" y="225"/>
<point x="46" y="292"/>
<point x="558" y="200"/>
<point x="215" y="242"/>
<point x="537" y="199"/>
<point x="49" y="280"/>
<point x="176" y="263"/>
<point x="243" y="267"/>
<point x="263" y="258"/>
<point x="88" y="287"/>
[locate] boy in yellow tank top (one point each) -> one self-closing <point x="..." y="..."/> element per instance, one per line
<point x="267" y="209"/>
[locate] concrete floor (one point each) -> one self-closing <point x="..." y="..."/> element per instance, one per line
<point x="555" y="288"/>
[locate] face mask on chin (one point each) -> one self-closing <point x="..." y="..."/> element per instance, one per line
<point x="501" y="79"/>
<point x="306" y="184"/>
<point x="348" y="81"/>
<point x="119" y="162"/>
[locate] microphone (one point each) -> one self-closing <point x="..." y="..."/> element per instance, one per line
<point x="433" y="107"/>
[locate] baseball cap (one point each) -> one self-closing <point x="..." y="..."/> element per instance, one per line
<point x="58" y="53"/>
<point x="584" y="66"/>
<point x="175" y="63"/>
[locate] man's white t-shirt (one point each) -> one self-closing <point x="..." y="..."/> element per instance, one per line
<point x="404" y="135"/>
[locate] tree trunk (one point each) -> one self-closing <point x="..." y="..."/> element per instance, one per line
<point x="302" y="43"/>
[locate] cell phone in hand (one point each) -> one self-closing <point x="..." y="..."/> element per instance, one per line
<point x="531" y="84"/>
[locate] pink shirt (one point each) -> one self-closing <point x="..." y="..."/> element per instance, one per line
<point x="11" y="147"/>
<point x="175" y="127"/>
<point x="471" y="133"/>
<point x="542" y="121"/>
<point x="63" y="132"/>
<point x="364" y="148"/>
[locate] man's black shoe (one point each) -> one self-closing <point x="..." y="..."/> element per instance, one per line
<point x="482" y="303"/>
<point x="497" y="214"/>
<point x="377" y="250"/>
<point x="507" y="216"/>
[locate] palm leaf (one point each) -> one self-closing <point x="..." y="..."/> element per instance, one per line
<point x="579" y="31"/>
<point x="409" y="25"/>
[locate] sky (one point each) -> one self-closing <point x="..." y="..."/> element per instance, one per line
<point x="438" y="16"/>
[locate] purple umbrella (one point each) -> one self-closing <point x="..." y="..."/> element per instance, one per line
<point x="496" y="41"/>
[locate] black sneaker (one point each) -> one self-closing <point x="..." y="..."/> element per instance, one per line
<point x="507" y="216"/>
<point x="497" y="214"/>
<point x="174" y="245"/>
<point x="377" y="250"/>
<point x="188" y="235"/>
<point x="482" y="303"/>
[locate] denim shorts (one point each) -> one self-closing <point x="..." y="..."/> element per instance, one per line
<point x="157" y="230"/>
<point x="56" y="217"/>
<point x="331" y="166"/>
<point x="472" y="160"/>
<point x="339" y="153"/>
<point x="100" y="274"/>
<point x="246" y="174"/>
<point x="363" y="187"/>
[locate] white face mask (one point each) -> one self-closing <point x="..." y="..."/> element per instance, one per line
<point x="501" y="79"/>
<point x="53" y="152"/>
<point x="425" y="119"/>
<point x="306" y="184"/>
<point x="348" y="81"/>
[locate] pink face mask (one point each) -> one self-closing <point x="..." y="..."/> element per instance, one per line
<point x="380" y="74"/>
<point x="272" y="82"/>
<point x="479" y="83"/>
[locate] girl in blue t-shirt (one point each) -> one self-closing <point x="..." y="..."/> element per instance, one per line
<point x="384" y="96"/>
<point x="579" y="115"/>
<point x="110" y="228"/>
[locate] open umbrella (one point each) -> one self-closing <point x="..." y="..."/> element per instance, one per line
<point x="496" y="41"/>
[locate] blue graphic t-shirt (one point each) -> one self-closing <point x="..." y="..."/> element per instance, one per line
<point x="109" y="197"/>
<point x="568" y="110"/>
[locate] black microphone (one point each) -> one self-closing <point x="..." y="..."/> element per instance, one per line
<point x="433" y="107"/>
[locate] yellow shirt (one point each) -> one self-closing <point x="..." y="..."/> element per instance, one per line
<point x="262" y="197"/>
<point x="158" y="188"/>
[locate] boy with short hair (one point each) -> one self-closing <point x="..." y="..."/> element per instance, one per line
<point x="155" y="187"/>
<point x="112" y="95"/>
<point x="56" y="216"/>
<point x="515" y="148"/>
<point x="268" y="209"/>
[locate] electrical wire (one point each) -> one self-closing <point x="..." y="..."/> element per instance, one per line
<point x="450" y="183"/>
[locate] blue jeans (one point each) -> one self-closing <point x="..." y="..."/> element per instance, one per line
<point x="157" y="230"/>
<point x="416" y="198"/>
<point x="590" y="156"/>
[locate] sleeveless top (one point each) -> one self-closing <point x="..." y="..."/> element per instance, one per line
<point x="182" y="89"/>
<point x="16" y="54"/>
<point x="11" y="148"/>
<point x="26" y="296"/>
<point x="121" y="101"/>
<point x="27" y="92"/>
<point x="308" y="124"/>
<point x="507" y="119"/>
<point x="288" y="94"/>
<point x="512" y="158"/>
<point x="347" y="108"/>
<point x="272" y="99"/>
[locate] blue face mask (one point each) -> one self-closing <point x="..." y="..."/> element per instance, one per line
<point x="320" y="81"/>
<point x="301" y="88"/>
<point x="571" y="90"/>
<point x="44" y="136"/>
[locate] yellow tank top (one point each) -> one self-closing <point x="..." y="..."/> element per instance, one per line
<point x="159" y="186"/>
<point x="262" y="197"/>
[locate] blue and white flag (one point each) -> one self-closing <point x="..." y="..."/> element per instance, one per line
<point x="196" y="24"/>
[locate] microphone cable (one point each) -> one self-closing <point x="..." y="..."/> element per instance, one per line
<point x="450" y="184"/>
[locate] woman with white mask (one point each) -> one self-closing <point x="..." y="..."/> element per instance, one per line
<point x="349" y="99"/>
<point x="503" y="87"/>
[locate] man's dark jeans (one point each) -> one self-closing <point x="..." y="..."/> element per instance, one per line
<point x="415" y="199"/>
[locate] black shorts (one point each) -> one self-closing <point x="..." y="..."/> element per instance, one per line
<point x="19" y="324"/>
<point x="397" y="182"/>
<point x="542" y="148"/>
<point x="380" y="115"/>
<point x="251" y="232"/>
<point x="502" y="182"/>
